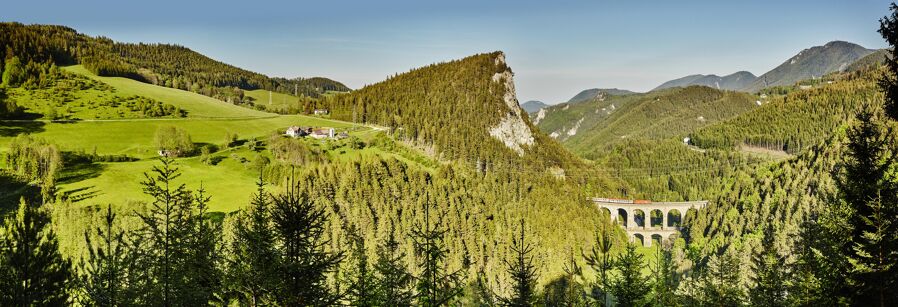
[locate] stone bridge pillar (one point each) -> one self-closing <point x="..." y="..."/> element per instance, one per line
<point x="664" y="218"/>
<point x="631" y="220"/>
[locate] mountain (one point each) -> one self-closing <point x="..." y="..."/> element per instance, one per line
<point x="593" y="93"/>
<point x="533" y="106"/>
<point x="811" y="63"/>
<point x="874" y="59"/>
<point x="159" y="64"/>
<point x="733" y="81"/>
<point x="483" y="124"/>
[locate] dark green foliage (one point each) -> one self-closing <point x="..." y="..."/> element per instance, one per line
<point x="870" y="193"/>
<point x="105" y="279"/>
<point x="797" y="120"/>
<point x="630" y="286"/>
<point x="664" y="279"/>
<point x="362" y="284"/>
<point x="601" y="260"/>
<point x="8" y="108"/>
<point x="436" y="286"/>
<point x="299" y="224"/>
<point x="888" y="28"/>
<point x="172" y="141"/>
<point x="161" y="64"/>
<point x="718" y="283"/>
<point x="394" y="282"/>
<point x="425" y="106"/>
<point x="566" y="290"/>
<point x="179" y="247"/>
<point x="523" y="272"/>
<point x="32" y="270"/>
<point x="13" y="72"/>
<point x="771" y="274"/>
<point x="34" y="159"/>
<point x="253" y="259"/>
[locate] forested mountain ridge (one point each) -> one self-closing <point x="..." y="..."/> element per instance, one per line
<point x="596" y="93"/>
<point x="160" y="64"/>
<point x="734" y="81"/>
<point x="533" y="106"/>
<point x="811" y="63"/>
<point x="799" y="119"/>
<point x="463" y="110"/>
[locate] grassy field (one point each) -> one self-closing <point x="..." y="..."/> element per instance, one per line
<point x="278" y="100"/>
<point x="196" y="105"/>
<point x="135" y="137"/>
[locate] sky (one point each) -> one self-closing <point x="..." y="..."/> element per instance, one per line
<point x="556" y="48"/>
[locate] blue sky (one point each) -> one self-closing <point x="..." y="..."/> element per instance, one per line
<point x="556" y="48"/>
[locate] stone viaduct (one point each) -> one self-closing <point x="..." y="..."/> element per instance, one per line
<point x="671" y="216"/>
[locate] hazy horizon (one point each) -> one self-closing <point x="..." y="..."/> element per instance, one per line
<point x="555" y="50"/>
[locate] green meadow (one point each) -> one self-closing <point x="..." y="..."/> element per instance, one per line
<point x="230" y="181"/>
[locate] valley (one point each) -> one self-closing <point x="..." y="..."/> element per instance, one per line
<point x="150" y="174"/>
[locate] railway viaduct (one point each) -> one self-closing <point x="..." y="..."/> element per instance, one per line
<point x="671" y="215"/>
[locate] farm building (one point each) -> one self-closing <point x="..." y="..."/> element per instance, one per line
<point x="295" y="131"/>
<point x="321" y="112"/>
<point x="322" y="133"/>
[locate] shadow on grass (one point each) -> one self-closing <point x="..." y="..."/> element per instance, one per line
<point x="13" y="128"/>
<point x="80" y="194"/>
<point x="79" y="172"/>
<point x="12" y="190"/>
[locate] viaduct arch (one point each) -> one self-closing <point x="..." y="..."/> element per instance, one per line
<point x="646" y="230"/>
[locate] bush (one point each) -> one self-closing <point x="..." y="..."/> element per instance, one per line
<point x="174" y="142"/>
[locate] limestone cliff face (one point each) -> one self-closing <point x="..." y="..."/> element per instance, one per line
<point x="511" y="130"/>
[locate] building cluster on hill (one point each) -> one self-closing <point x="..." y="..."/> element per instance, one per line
<point x="317" y="133"/>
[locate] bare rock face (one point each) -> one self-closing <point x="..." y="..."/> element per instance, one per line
<point x="511" y="130"/>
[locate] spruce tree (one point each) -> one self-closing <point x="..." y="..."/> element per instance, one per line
<point x="523" y="272"/>
<point x="362" y="286"/>
<point x="719" y="281"/>
<point x="665" y="278"/>
<point x="436" y="285"/>
<point x="254" y="262"/>
<point x="601" y="261"/>
<point x="770" y="274"/>
<point x="868" y="188"/>
<point x="394" y="282"/>
<point x="32" y="271"/>
<point x="630" y="286"/>
<point x="177" y="245"/>
<point x="104" y="279"/>
<point x="888" y="28"/>
<point x="299" y="225"/>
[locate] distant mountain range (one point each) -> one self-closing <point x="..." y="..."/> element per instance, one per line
<point x="810" y="63"/>
<point x="533" y="106"/>
<point x="596" y="92"/>
<point x="733" y="81"/>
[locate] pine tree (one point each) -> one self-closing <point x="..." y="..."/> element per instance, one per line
<point x="869" y="190"/>
<point x="362" y="287"/>
<point x="104" y="280"/>
<point x="32" y="271"/>
<point x="436" y="285"/>
<point x="205" y="255"/>
<point x="177" y="246"/>
<point x="253" y="258"/>
<point x="394" y="282"/>
<point x="523" y="272"/>
<point x="630" y="286"/>
<point x="719" y="281"/>
<point x="566" y="290"/>
<point x="888" y="28"/>
<point x="665" y="278"/>
<point x="771" y="274"/>
<point x="601" y="261"/>
<point x="299" y="225"/>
